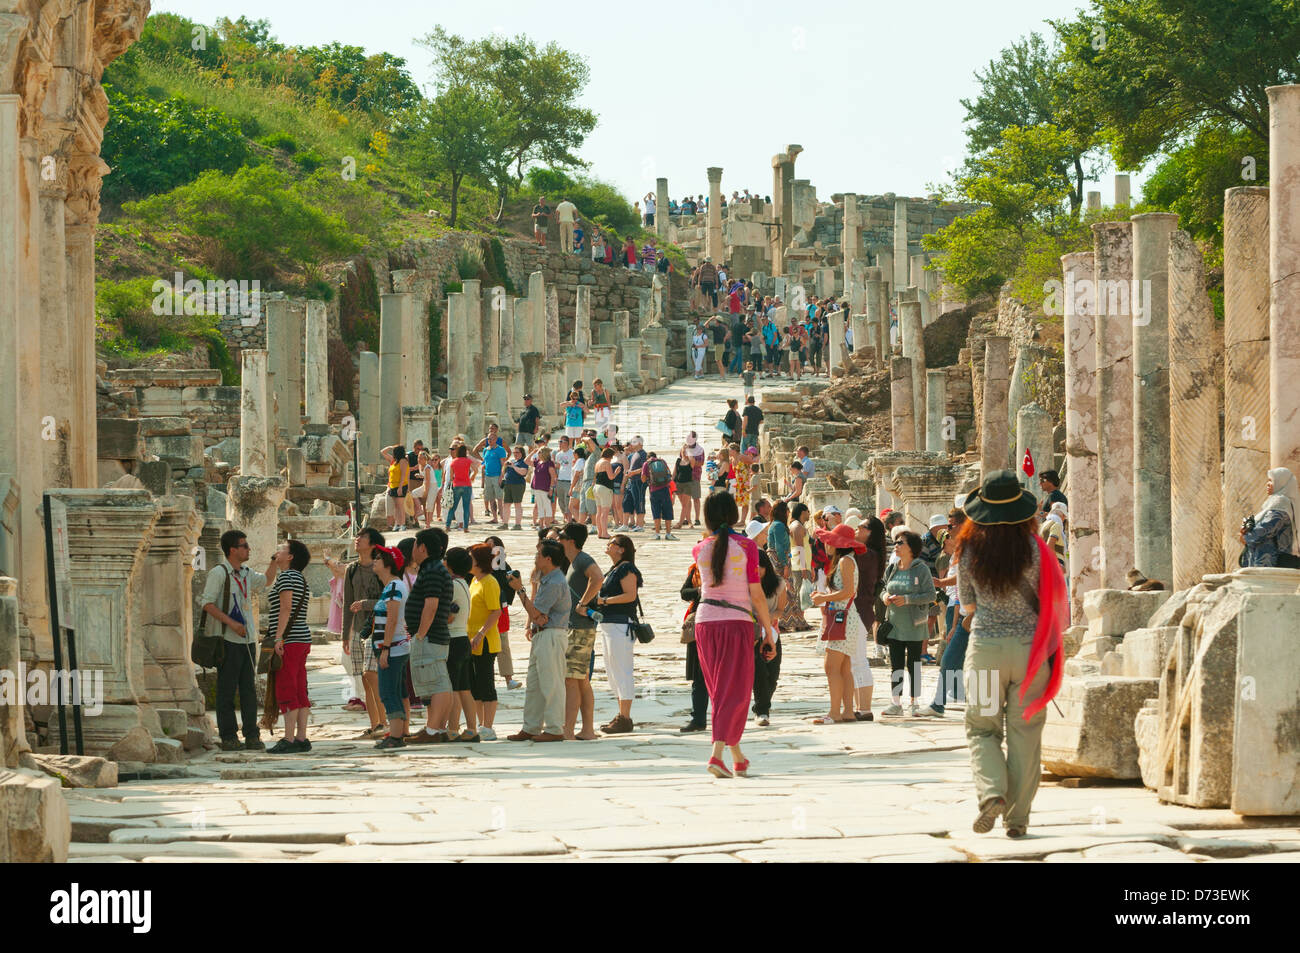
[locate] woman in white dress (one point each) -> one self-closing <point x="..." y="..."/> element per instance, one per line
<point x="699" y="347"/>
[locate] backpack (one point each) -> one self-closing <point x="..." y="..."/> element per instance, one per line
<point x="684" y="472"/>
<point x="659" y="474"/>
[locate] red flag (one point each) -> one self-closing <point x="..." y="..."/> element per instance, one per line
<point x="1028" y="463"/>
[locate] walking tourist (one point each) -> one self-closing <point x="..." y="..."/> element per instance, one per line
<point x="731" y="601"/>
<point x="699" y="348"/>
<point x="1008" y="580"/>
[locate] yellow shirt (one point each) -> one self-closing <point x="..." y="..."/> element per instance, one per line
<point x="484" y="599"/>
<point x="395" y="475"/>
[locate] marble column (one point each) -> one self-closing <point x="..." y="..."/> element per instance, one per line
<point x="874" y="298"/>
<point x="552" y="349"/>
<point x="900" y="243"/>
<point x="622" y="326"/>
<point x="1094" y="202"/>
<point x="1284" y="276"/>
<point x="850" y="243"/>
<point x="493" y="308"/>
<point x="390" y="372"/>
<point x="253" y="505"/>
<point x="1196" y="500"/>
<point x="1016" y="394"/>
<point x="994" y="439"/>
<point x="368" y="423"/>
<point x="554" y="388"/>
<point x="421" y="288"/>
<point x="280" y="328"/>
<point x="872" y="345"/>
<point x="835" y="364"/>
<point x="509" y="354"/>
<point x="886" y="320"/>
<point x="532" y="361"/>
<point x="459" y="339"/>
<point x="1033" y="434"/>
<point x="317" y="355"/>
<point x="536" y="337"/>
<point x="52" y="321"/>
<point x="902" y="407"/>
<point x="1246" y="286"/>
<point x="936" y="393"/>
<point x="862" y="338"/>
<point x="582" y="315"/>
<point x="498" y="396"/>
<point x="661" y="207"/>
<point x="1112" y="244"/>
<point x="79" y="240"/>
<point x="1081" y="428"/>
<point x="1121" y="189"/>
<point x="449" y="423"/>
<point x="472" y="351"/>
<point x="252" y="413"/>
<point x="474" y="411"/>
<point x="885" y="260"/>
<point x="913" y="341"/>
<point x="1152" y="544"/>
<point x="713" y="237"/>
<point x="783" y="205"/>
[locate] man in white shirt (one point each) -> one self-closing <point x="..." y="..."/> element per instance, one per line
<point x="229" y="601"/>
<point x="566" y="213"/>
<point x="564" y="479"/>
<point x="649" y="210"/>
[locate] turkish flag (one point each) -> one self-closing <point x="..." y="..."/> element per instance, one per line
<point x="1028" y="463"/>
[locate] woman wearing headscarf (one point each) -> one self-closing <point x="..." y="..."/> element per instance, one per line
<point x="1008" y="579"/>
<point x="699" y="347"/>
<point x="1054" y="533"/>
<point x="1272" y="539"/>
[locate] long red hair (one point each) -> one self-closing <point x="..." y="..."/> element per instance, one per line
<point x="1000" y="553"/>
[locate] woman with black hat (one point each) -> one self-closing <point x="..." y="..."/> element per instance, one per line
<point x="1007" y="577"/>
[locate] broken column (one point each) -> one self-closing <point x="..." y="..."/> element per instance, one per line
<point x="368" y="423"/>
<point x="994" y="439"/>
<point x="713" y="237"/>
<point x="1033" y="434"/>
<point x="493" y="309"/>
<point x="900" y="244"/>
<point x="471" y="351"/>
<point x="1195" y="498"/>
<point x="459" y="339"/>
<point x="661" y="207"/>
<point x="913" y="346"/>
<point x="604" y="354"/>
<point x="936" y="389"/>
<point x="631" y="348"/>
<point x="473" y="411"/>
<point x="390" y="371"/>
<point x="532" y="361"/>
<point x="284" y="337"/>
<point x="450" y="419"/>
<point x="582" y="316"/>
<point x="1246" y="287"/>
<point x="1113" y="270"/>
<point x="1121" y="189"/>
<point x="252" y="413"/>
<point x="552" y="339"/>
<point x="902" y="409"/>
<point x="1081" y="427"/>
<point x="835" y="346"/>
<point x="498" y="396"/>
<point x="317" y="354"/>
<point x="1152" y="544"/>
<point x="1284" y="274"/>
<point x="850" y="243"/>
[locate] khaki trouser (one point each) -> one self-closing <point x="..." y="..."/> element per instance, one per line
<point x="994" y="672"/>
<point x="566" y="236"/>
<point x="544" y="697"/>
<point x="505" y="663"/>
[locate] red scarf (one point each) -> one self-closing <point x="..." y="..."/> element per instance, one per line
<point x="1053" y="617"/>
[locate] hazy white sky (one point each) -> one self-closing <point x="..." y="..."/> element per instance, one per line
<point x="870" y="89"/>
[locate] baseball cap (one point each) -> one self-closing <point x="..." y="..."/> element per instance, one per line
<point x="832" y="508"/>
<point x="938" y="520"/>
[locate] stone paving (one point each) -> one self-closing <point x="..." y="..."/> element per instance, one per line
<point x="886" y="791"/>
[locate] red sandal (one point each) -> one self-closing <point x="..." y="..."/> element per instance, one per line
<point x="742" y="768"/>
<point x="719" y="770"/>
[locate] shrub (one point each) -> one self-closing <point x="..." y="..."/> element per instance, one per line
<point x="309" y="161"/>
<point x="469" y="261"/>
<point x="280" y="140"/>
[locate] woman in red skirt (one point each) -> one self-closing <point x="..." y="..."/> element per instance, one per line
<point x="731" y="597"/>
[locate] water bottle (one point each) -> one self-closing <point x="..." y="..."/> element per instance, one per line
<point x="594" y="616"/>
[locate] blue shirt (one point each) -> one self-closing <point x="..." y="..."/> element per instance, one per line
<point x="492" y="457"/>
<point x="573" y="416"/>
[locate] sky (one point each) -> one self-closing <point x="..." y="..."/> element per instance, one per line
<point x="870" y="89"/>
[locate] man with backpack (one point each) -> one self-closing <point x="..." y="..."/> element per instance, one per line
<point x="228" y="599"/>
<point x="658" y="476"/>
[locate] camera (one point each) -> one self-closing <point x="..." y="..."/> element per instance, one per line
<point x="1247" y="523"/>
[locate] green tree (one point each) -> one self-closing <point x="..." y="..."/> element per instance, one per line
<point x="154" y="146"/>
<point x="1157" y="71"/>
<point x="346" y="76"/>
<point x="457" y="133"/>
<point x="1030" y="84"/>
<point x="252" y="223"/>
<point x="1192" y="178"/>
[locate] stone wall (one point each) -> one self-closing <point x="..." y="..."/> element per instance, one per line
<point x="211" y="409"/>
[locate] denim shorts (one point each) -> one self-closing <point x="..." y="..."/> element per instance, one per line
<point x="392" y="686"/>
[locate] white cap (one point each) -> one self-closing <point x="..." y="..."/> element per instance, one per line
<point x="938" y="520"/>
<point x="832" y="508"/>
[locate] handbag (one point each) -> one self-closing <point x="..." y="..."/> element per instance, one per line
<point x="641" y="629"/>
<point x="267" y="659"/>
<point x="883" y="632"/>
<point x="835" y="622"/>
<point x="206" y="650"/>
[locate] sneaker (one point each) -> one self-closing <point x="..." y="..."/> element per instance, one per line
<point x="487" y="734"/>
<point x="993" y="808"/>
<point x="255" y="745"/>
<point x="929" y="711"/>
<point x="517" y="526"/>
<point x="692" y="726"/>
<point x="893" y="710"/>
<point x="657" y="537"/>
<point x="512" y="684"/>
<point x="283" y="746"/>
<point x="621" y="725"/>
<point x="914" y="710"/>
<point x="302" y="747"/>
<point x="670" y="537"/>
<point x="390" y="742"/>
<point x="465" y="737"/>
<point x="504" y="526"/>
<point x="761" y="721"/>
<point x="231" y="744"/>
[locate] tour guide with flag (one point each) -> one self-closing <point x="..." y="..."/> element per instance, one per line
<point x="1013" y="587"/>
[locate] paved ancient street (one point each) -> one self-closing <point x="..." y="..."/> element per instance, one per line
<point x="871" y="791"/>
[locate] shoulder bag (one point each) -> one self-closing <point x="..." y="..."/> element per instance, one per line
<point x="210" y="650"/>
<point x="834" y="622"/>
<point x="267" y="659"/>
<point x="641" y="629"/>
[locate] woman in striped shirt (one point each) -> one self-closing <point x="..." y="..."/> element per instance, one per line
<point x="288" y="621"/>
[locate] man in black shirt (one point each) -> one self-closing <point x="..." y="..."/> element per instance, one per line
<point x="1049" y="481"/>
<point x="753" y="417"/>
<point x="526" y="433"/>
<point x="427" y="610"/>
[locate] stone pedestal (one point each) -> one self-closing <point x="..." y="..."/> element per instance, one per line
<point x="925" y="491"/>
<point x="631" y="348"/>
<point x="1284" y="275"/>
<point x="1246" y="286"/>
<point x="1094" y="201"/>
<point x="902" y="404"/>
<point x="532" y="361"/>
<point x="1152" y="544"/>
<point x="317" y="356"/>
<point x="994" y="438"/>
<point x="165" y="594"/>
<point x="1113" y="268"/>
<point x="473" y="407"/>
<point x="498" y="396"/>
<point x="391" y="377"/>
<point x="620" y="329"/>
<point x="656" y="339"/>
<point x="554" y="389"/>
<point x="1195" y="499"/>
<point x="368" y="424"/>
<point x="253" y="451"/>
<point x="604" y="364"/>
<point x="936" y="392"/>
<point x="911" y="331"/>
<point x="1081" y="428"/>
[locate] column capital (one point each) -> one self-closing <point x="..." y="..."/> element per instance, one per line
<point x="715" y="174"/>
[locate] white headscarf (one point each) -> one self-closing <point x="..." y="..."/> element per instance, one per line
<point x="1285" y="498"/>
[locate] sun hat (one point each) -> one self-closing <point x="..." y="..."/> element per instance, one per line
<point x="851" y="512"/>
<point x="938" y="520"/>
<point x="1000" y="500"/>
<point x="841" y="537"/>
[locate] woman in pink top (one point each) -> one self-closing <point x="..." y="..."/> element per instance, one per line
<point x="731" y="596"/>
